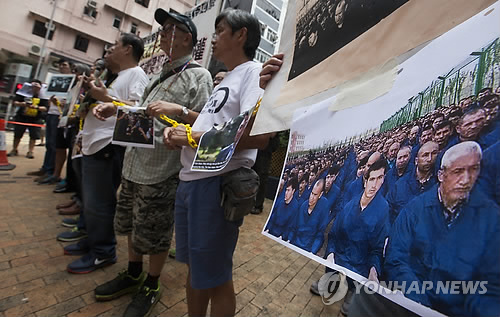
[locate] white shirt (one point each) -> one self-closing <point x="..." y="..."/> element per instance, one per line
<point x="97" y="134"/>
<point x="54" y="109"/>
<point x="239" y="91"/>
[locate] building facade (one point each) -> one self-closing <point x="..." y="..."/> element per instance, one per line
<point x="82" y="29"/>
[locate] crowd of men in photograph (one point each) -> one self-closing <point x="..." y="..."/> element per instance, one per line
<point x="397" y="205"/>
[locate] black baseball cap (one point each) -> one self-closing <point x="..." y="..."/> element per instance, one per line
<point x="161" y="16"/>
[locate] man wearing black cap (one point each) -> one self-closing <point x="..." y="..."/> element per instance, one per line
<point x="145" y="208"/>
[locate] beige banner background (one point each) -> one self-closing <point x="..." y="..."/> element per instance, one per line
<point x="413" y="24"/>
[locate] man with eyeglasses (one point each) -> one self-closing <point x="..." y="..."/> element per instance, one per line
<point x="145" y="208"/>
<point x="205" y="240"/>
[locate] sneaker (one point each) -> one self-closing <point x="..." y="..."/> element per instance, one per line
<point x="79" y="248"/>
<point x="89" y="263"/>
<point x="171" y="253"/>
<point x="63" y="189"/>
<point x="12" y="153"/>
<point x="61" y="184"/>
<point x="30" y="155"/>
<point x="49" y="180"/>
<point x="72" y="235"/>
<point x="143" y="302"/>
<point x="41" y="178"/>
<point x="70" y="222"/>
<point x="315" y="288"/>
<point x="120" y="285"/>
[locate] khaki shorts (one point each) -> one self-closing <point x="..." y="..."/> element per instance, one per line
<point x="146" y="212"/>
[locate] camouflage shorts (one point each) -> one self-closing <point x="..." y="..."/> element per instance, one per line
<point x="146" y="212"/>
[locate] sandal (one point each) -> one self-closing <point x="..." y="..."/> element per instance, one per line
<point x="30" y="155"/>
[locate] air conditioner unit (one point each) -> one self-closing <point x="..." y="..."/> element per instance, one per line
<point x="52" y="28"/>
<point x="92" y="4"/>
<point x="35" y="49"/>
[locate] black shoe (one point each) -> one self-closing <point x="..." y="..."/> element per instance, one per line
<point x="314" y="288"/>
<point x="256" y="211"/>
<point x="143" y="302"/>
<point x="120" y="285"/>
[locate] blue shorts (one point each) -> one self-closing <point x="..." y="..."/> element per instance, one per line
<point x="204" y="239"/>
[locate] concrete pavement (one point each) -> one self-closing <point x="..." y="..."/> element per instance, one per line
<point x="270" y="279"/>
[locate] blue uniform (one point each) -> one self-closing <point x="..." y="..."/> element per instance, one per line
<point x="392" y="176"/>
<point x="356" y="187"/>
<point x="405" y="189"/>
<point x="281" y="219"/>
<point x="489" y="178"/>
<point x="334" y="201"/>
<point x="357" y="236"/>
<point x="302" y="198"/>
<point x="422" y="247"/>
<point x="308" y="231"/>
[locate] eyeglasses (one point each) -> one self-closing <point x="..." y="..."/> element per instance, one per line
<point x="167" y="27"/>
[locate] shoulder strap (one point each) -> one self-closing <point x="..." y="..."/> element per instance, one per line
<point x="171" y="73"/>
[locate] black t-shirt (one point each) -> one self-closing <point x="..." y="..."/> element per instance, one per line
<point x="29" y="114"/>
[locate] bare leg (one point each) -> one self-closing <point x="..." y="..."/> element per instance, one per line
<point x="31" y="146"/>
<point x="223" y="300"/>
<point x="16" y="143"/>
<point x="156" y="262"/>
<point x="197" y="299"/>
<point x="60" y="159"/>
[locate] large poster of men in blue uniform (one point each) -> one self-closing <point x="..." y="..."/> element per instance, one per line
<point x="404" y="191"/>
<point x="325" y="26"/>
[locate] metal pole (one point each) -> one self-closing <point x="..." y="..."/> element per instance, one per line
<point x="42" y="53"/>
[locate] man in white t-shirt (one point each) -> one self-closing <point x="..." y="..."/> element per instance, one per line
<point x="102" y="161"/>
<point x="204" y="239"/>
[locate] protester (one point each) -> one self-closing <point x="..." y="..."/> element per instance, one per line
<point x="209" y="251"/>
<point x="145" y="209"/>
<point x="28" y="115"/>
<point x="51" y="122"/>
<point x="102" y="161"/>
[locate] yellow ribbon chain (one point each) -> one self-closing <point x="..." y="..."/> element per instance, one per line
<point x="189" y="132"/>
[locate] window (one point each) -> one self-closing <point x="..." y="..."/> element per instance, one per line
<point x="271" y="36"/>
<point x="261" y="56"/>
<point x="40" y="29"/>
<point x="117" y="21"/>
<point x="144" y="3"/>
<point x="81" y="43"/>
<point x="90" y="9"/>
<point x="133" y="28"/>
